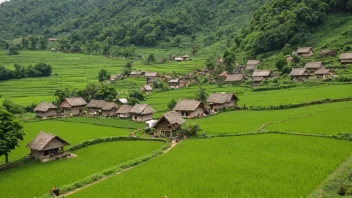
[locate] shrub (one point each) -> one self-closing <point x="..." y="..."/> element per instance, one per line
<point x="191" y="129"/>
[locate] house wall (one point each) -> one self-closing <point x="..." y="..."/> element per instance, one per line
<point x="310" y="53"/>
<point x="151" y="79"/>
<point x="109" y="113"/>
<point x="346" y="61"/>
<point x="74" y="111"/>
<point x="47" y="114"/>
<point x="299" y="78"/>
<point x="192" y="114"/>
<point x="141" y="118"/>
<point x="124" y="115"/>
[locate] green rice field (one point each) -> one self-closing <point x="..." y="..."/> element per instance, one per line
<point x="35" y="179"/>
<point x="248" y="166"/>
<point x="72" y="132"/>
<point x="112" y="122"/>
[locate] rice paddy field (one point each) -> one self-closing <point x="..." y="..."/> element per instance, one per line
<point x="35" y="179"/>
<point x="72" y="132"/>
<point x="248" y="166"/>
<point x="112" y="122"/>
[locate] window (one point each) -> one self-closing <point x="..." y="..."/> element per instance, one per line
<point x="135" y="117"/>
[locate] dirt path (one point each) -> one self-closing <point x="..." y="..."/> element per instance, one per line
<point x="173" y="144"/>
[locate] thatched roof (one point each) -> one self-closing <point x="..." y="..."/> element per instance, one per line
<point x="257" y="79"/>
<point x="98" y="104"/>
<point x="137" y="72"/>
<point x="346" y="56"/>
<point x="122" y="100"/>
<point x="42" y="140"/>
<point x="304" y="50"/>
<point x="45" y="106"/>
<point x="124" y="109"/>
<point x="327" y="51"/>
<point x="234" y="78"/>
<point x="174" y="81"/>
<point x="223" y="74"/>
<point x="147" y="87"/>
<point x="298" y="72"/>
<point x="322" y="71"/>
<point x="220" y="98"/>
<point x="187" y="105"/>
<point x="314" y="65"/>
<point x="151" y="74"/>
<point x="142" y="109"/>
<point x="261" y="73"/>
<point x="251" y="67"/>
<point x="172" y="117"/>
<point x="253" y="62"/>
<point x="185" y="56"/>
<point x="73" y="102"/>
<point x="109" y="106"/>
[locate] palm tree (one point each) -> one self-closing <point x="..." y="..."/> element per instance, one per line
<point x="202" y="95"/>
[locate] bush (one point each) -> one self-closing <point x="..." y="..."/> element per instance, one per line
<point x="190" y="129"/>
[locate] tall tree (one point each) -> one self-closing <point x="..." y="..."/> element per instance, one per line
<point x="229" y="59"/>
<point x="103" y="75"/>
<point x="11" y="132"/>
<point x="202" y="95"/>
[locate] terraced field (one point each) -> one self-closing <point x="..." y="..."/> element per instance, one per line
<point x="247" y="166"/>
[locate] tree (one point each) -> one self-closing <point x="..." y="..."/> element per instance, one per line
<point x="43" y="43"/>
<point x="64" y="45"/>
<point x="190" y="129"/>
<point x="11" y="132"/>
<point x="128" y="65"/>
<point x="280" y="63"/>
<point x="13" y="51"/>
<point x="229" y="61"/>
<point x="25" y="43"/>
<point x="202" y="95"/>
<point x="171" y="104"/>
<point x="210" y="62"/>
<point x="106" y="93"/>
<point x="135" y="97"/>
<point x="44" y="68"/>
<point x="103" y="75"/>
<point x="151" y="58"/>
<point x="34" y="42"/>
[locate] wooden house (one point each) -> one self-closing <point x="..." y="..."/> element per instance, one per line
<point x="252" y="64"/>
<point x="233" y="78"/>
<point x="299" y="74"/>
<point x="73" y="106"/>
<point x="328" y="52"/>
<point x="46" y="145"/>
<point x="184" y="81"/>
<point x="223" y="75"/>
<point x="188" y="108"/>
<point x="168" y="123"/>
<point x="312" y="67"/>
<point x="109" y="109"/>
<point x="124" y="111"/>
<point x="305" y="51"/>
<point x="174" y="83"/>
<point x="323" y="74"/>
<point x="94" y="106"/>
<point x="136" y="74"/>
<point x="147" y="89"/>
<point x="346" y="58"/>
<point x="46" y="110"/>
<point x="259" y="75"/>
<point x="151" y="77"/>
<point x="219" y="101"/>
<point x="142" y="112"/>
<point x="185" y="57"/>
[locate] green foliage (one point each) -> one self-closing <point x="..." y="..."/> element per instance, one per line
<point x="135" y="97"/>
<point x="191" y="129"/>
<point x="103" y="75"/>
<point x="11" y="132"/>
<point x="171" y="104"/>
<point x="39" y="70"/>
<point x="13" y="51"/>
<point x="151" y="58"/>
<point x="201" y="95"/>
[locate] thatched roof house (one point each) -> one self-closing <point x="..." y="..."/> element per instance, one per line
<point x="168" y="123"/>
<point x="259" y="75"/>
<point x="151" y="77"/>
<point x="185" y="57"/>
<point x="305" y="51"/>
<point x="218" y="101"/>
<point x="178" y="59"/>
<point x="142" y="112"/>
<point x="136" y="74"/>
<point x="327" y="52"/>
<point x="252" y="64"/>
<point x="314" y="66"/>
<point x="96" y="105"/>
<point x="234" y="78"/>
<point x="174" y="83"/>
<point x="73" y="106"/>
<point x="323" y="74"/>
<point x="146" y="89"/>
<point x="45" y="110"/>
<point x="46" y="145"/>
<point x="223" y="75"/>
<point x="299" y="74"/>
<point x="124" y="111"/>
<point x="109" y="109"/>
<point x="346" y="58"/>
<point x="190" y="108"/>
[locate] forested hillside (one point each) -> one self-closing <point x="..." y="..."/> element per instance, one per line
<point x="125" y="22"/>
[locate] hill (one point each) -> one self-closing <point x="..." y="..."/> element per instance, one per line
<point x="125" y="22"/>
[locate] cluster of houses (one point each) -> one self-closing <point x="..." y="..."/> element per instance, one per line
<point x="312" y="70"/>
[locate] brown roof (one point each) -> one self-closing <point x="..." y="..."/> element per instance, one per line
<point x="109" y="106"/>
<point x="136" y="72"/>
<point x="42" y="140"/>
<point x="251" y="67"/>
<point x="346" y="56"/>
<point x="96" y="104"/>
<point x="142" y="109"/>
<point x="298" y="72"/>
<point x="45" y="106"/>
<point x="223" y="74"/>
<point x="323" y="52"/>
<point x="172" y="117"/>
<point x="257" y="79"/>
<point x="219" y="98"/>
<point x="261" y="73"/>
<point x="151" y="74"/>
<point x="253" y="62"/>
<point x="147" y="87"/>
<point x="185" y="56"/>
<point x="314" y="65"/>
<point x="76" y="101"/>
<point x="124" y="109"/>
<point x="187" y="105"/>
<point x="322" y="71"/>
<point x="304" y="50"/>
<point x="234" y="77"/>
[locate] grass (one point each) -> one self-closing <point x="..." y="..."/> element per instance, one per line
<point x="72" y="132"/>
<point x="247" y="166"/>
<point x="112" y="122"/>
<point x="37" y="178"/>
<point x="251" y="121"/>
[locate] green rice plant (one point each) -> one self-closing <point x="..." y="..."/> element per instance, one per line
<point x="112" y="122"/>
<point x="268" y="165"/>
